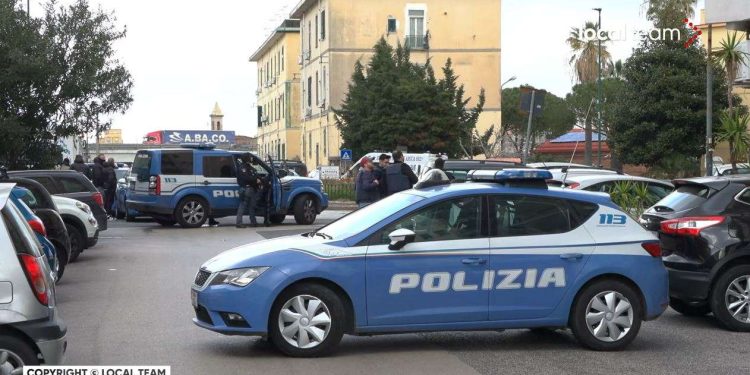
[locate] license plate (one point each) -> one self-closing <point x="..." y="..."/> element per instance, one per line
<point x="194" y="298"/>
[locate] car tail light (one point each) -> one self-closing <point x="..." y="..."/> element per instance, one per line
<point x="653" y="248"/>
<point x="573" y="185"/>
<point x="154" y="183"/>
<point x="35" y="274"/>
<point x="99" y="199"/>
<point x="38" y="226"/>
<point x="690" y="226"/>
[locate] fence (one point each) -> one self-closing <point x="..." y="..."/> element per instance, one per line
<point x="339" y="190"/>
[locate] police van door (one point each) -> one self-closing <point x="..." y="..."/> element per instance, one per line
<point x="437" y="278"/>
<point x="218" y="179"/>
<point x="537" y="249"/>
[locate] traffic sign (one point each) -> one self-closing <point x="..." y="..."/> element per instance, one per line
<point x="346" y="154"/>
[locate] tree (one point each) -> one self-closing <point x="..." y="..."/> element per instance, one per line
<point x="731" y="56"/>
<point x="661" y="112"/>
<point x="669" y="13"/>
<point x="733" y="130"/>
<point x="584" y="59"/>
<point x="556" y="119"/>
<point x="392" y="102"/>
<point x="60" y="78"/>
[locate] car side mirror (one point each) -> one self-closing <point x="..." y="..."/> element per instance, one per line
<point x="400" y="238"/>
<point x="282" y="173"/>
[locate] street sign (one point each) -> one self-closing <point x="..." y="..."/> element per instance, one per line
<point x="346" y="154"/>
<point x="526" y="101"/>
<point x="329" y="173"/>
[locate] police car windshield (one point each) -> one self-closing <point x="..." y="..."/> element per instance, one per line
<point x="366" y="217"/>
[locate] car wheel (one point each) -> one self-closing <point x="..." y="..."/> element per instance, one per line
<point x="277" y="219"/>
<point x="304" y="210"/>
<point x="606" y="315"/>
<point x="730" y="299"/>
<point x="686" y="309"/>
<point x="62" y="260"/>
<point x="77" y="242"/>
<point x="14" y="354"/>
<point x="192" y="212"/>
<point x="307" y="321"/>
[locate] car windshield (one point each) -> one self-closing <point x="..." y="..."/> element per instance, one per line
<point x="365" y="217"/>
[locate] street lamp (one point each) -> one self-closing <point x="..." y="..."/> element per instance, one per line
<point x="599" y="90"/>
<point x="508" y="81"/>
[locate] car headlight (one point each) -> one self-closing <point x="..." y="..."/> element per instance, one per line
<point x="239" y="276"/>
<point x="83" y="207"/>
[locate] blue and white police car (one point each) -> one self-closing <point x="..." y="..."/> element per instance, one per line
<point x="503" y="251"/>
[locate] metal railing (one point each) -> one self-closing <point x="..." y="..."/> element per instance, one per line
<point x="416" y="42"/>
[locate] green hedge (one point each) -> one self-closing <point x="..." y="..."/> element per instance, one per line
<point x="339" y="190"/>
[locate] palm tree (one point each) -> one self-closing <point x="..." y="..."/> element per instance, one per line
<point x="584" y="58"/>
<point x="733" y="130"/>
<point x="731" y="56"/>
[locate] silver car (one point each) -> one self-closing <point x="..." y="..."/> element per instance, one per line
<point x="31" y="331"/>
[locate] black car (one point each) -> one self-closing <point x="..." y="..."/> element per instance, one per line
<point x="70" y="184"/>
<point x="40" y="202"/>
<point x="295" y="165"/>
<point x="704" y="230"/>
<point x="460" y="168"/>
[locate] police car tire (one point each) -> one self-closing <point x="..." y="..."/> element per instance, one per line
<point x="718" y="302"/>
<point x="182" y="204"/>
<point x="299" y="210"/>
<point x="337" y="315"/>
<point x="578" y="315"/>
<point x="18" y="350"/>
<point x="689" y="310"/>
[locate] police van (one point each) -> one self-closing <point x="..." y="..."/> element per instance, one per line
<point x="503" y="251"/>
<point x="190" y="184"/>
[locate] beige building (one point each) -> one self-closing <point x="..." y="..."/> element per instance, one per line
<point x="111" y="136"/>
<point x="217" y="118"/>
<point x="278" y="93"/>
<point x="336" y="33"/>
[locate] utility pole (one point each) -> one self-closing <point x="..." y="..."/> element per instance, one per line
<point x="599" y="92"/>
<point x="527" y="142"/>
<point x="28" y="9"/>
<point x="709" y="108"/>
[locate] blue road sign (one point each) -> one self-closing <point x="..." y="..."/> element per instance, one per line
<point x="346" y="154"/>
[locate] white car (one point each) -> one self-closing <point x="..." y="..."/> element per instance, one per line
<point x="605" y="183"/>
<point x="566" y="173"/>
<point x="80" y="222"/>
<point x="726" y="169"/>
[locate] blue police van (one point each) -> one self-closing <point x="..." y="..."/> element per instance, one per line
<point x="504" y="251"/>
<point x="190" y="184"/>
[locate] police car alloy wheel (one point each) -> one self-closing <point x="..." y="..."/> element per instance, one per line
<point x="606" y="315"/>
<point x="192" y="213"/>
<point x="307" y="321"/>
<point x="730" y="298"/>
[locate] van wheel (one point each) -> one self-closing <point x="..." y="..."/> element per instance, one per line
<point x="77" y="242"/>
<point x="730" y="298"/>
<point x="307" y="320"/>
<point x="192" y="212"/>
<point x="277" y="219"/>
<point x="606" y="315"/>
<point x="304" y="210"/>
<point x="14" y="354"/>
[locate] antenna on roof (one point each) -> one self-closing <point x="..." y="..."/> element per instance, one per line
<point x="565" y="175"/>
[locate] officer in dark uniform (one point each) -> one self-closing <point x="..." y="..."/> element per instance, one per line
<point x="249" y="183"/>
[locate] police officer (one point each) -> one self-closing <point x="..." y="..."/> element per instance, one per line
<point x="249" y="183"/>
<point x="399" y="176"/>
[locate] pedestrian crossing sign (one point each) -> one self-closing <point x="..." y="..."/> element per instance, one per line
<point x="346" y="154"/>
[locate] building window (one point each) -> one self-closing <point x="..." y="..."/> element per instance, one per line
<point x="309" y="142"/>
<point x="316" y="31"/>
<point x="391" y="25"/>
<point x="325" y="142"/>
<point x="324" y="84"/>
<point x="317" y="89"/>
<point x="260" y="78"/>
<point x="323" y="25"/>
<point x="283" y="151"/>
<point x="309" y="36"/>
<point x="309" y="92"/>
<point x="282" y="58"/>
<point x="416" y="32"/>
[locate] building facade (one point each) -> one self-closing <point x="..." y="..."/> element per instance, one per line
<point x="334" y="34"/>
<point x="278" y="93"/>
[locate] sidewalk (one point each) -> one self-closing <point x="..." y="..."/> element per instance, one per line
<point x="342" y="205"/>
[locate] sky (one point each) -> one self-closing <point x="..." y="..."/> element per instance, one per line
<point x="184" y="56"/>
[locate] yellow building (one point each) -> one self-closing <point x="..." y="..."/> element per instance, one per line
<point x="719" y="33"/>
<point x="278" y="93"/>
<point x="336" y="33"/>
<point x="111" y="136"/>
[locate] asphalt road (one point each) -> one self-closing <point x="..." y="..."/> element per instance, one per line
<point x="127" y="302"/>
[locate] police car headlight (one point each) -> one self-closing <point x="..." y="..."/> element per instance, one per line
<point x="238" y="277"/>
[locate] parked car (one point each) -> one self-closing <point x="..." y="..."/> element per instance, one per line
<point x="121" y="209"/>
<point x="70" y="184"/>
<point x="557" y="165"/>
<point x="295" y="165"/>
<point x="460" y="168"/>
<point x="83" y="228"/>
<point x="39" y="200"/>
<point x="657" y="189"/>
<point x="188" y="185"/>
<point x="564" y="173"/>
<point x="31" y="330"/>
<point x="726" y="169"/>
<point x="704" y="230"/>
<point x="55" y="263"/>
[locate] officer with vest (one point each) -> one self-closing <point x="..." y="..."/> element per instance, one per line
<point x="249" y="183"/>
<point x="399" y="176"/>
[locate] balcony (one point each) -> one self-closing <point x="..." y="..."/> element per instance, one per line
<point x="416" y="42"/>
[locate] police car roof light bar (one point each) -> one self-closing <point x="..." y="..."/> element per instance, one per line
<point x="200" y="145"/>
<point x="512" y="177"/>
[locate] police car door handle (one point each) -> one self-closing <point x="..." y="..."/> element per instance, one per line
<point x="206" y="182"/>
<point x="571" y="256"/>
<point x="473" y="261"/>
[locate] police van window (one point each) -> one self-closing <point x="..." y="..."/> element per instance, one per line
<point x="455" y="219"/>
<point x="177" y="162"/>
<point x="529" y="216"/>
<point x="73" y="185"/>
<point x="218" y="166"/>
<point x="142" y="166"/>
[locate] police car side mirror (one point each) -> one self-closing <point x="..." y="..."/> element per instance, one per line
<point x="400" y="237"/>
